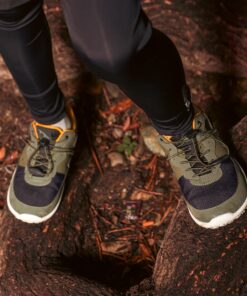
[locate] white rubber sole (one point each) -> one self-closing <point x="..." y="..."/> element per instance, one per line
<point x="221" y="220"/>
<point x="29" y="218"/>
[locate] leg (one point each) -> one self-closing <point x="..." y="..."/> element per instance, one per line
<point x="26" y="48"/>
<point x="117" y="42"/>
<point x="38" y="182"/>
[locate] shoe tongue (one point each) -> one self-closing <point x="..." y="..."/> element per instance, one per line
<point x="177" y="138"/>
<point x="199" y="123"/>
<point x="49" y="133"/>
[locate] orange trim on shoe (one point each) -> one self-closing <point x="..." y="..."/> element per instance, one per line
<point x="194" y="121"/>
<point x="194" y="124"/>
<point x="71" y="115"/>
<point x="35" y="124"/>
<point x="168" y="138"/>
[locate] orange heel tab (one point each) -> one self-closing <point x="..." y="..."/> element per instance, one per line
<point x="71" y="115"/>
<point x="168" y="138"/>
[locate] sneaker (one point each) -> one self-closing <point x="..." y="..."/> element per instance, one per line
<point x="37" y="185"/>
<point x="212" y="183"/>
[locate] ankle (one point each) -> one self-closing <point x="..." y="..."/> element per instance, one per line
<point x="64" y="123"/>
<point x="179" y="125"/>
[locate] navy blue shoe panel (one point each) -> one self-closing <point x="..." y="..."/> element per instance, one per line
<point x="37" y="196"/>
<point x="208" y="196"/>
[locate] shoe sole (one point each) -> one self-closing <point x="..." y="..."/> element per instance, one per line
<point x="226" y="218"/>
<point x="29" y="218"/>
<point x="221" y="220"/>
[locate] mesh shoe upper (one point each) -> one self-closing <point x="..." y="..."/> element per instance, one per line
<point x="209" y="195"/>
<point x="207" y="175"/>
<point x="33" y="195"/>
<point x="38" y="181"/>
<point x="43" y="165"/>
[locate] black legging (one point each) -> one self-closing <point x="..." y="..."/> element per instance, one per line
<point x="116" y="40"/>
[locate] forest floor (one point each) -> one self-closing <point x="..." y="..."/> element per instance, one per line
<point x="132" y="195"/>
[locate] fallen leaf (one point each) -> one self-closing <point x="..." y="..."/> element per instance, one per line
<point x="2" y="153"/>
<point x="120" y="107"/>
<point x="12" y="157"/>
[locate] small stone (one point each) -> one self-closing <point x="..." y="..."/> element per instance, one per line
<point x="128" y="133"/>
<point x="151" y="242"/>
<point x="150" y="138"/>
<point x="140" y="195"/>
<point x="111" y="118"/>
<point x="162" y="175"/>
<point x="118" y="247"/>
<point x="117" y="133"/>
<point x="133" y="208"/>
<point x="98" y="140"/>
<point x="194" y="91"/>
<point x="115" y="219"/>
<point x="123" y="193"/>
<point x="157" y="220"/>
<point x="113" y="89"/>
<point x="115" y="158"/>
<point x="132" y="159"/>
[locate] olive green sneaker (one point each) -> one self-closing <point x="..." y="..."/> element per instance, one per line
<point x="212" y="183"/>
<point x="37" y="185"/>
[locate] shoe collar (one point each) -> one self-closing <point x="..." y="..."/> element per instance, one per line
<point x="54" y="132"/>
<point x="194" y="127"/>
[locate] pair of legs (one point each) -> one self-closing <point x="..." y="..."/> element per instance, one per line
<point x="116" y="40"/>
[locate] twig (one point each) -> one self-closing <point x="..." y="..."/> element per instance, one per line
<point x="132" y="126"/>
<point x="135" y="115"/>
<point x="120" y="107"/>
<point x="150" y="192"/>
<point x="169" y="229"/>
<point x="145" y="250"/>
<point x="145" y="247"/>
<point x="121" y="229"/>
<point x="147" y="223"/>
<point x="127" y="237"/>
<point x="167" y="212"/>
<point x="106" y="95"/>
<point x="122" y="258"/>
<point x="149" y="211"/>
<point x="102" y="218"/>
<point x="153" y="165"/>
<point x="97" y="232"/>
<point x="94" y="155"/>
<point x="126" y="124"/>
